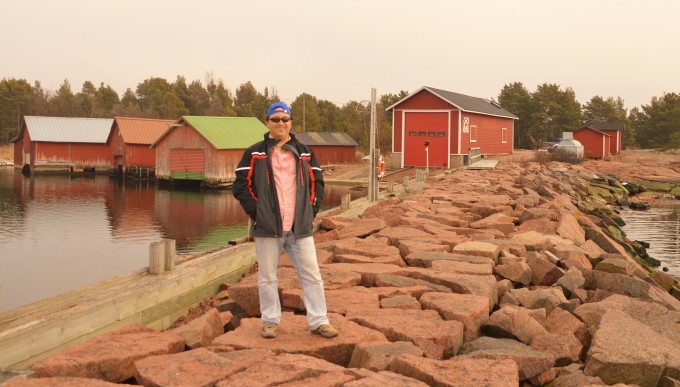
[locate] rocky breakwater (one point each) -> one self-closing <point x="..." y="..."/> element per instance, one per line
<point x="514" y="276"/>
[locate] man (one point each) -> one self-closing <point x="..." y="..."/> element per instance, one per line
<point x="280" y="186"/>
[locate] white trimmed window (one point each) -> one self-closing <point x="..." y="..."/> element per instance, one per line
<point x="473" y="133"/>
<point x="504" y="135"/>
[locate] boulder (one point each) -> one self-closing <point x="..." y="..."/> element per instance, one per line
<point x="377" y="356"/>
<point x="437" y="338"/>
<point x="529" y="362"/>
<point x="515" y="323"/>
<point x="199" y="367"/>
<point x="201" y="331"/>
<point x="457" y="371"/>
<point x="110" y="356"/>
<point x="294" y="336"/>
<point x="472" y="311"/>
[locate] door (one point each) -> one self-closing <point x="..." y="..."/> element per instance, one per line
<point x="431" y="128"/>
<point x="187" y="164"/>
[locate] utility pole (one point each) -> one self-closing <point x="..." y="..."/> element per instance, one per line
<point x="373" y="175"/>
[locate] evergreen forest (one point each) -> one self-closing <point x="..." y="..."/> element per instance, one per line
<point x="543" y="113"/>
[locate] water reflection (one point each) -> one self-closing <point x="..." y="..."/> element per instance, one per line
<point x="660" y="227"/>
<point x="59" y="233"/>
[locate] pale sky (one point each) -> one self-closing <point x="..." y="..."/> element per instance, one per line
<point x="339" y="50"/>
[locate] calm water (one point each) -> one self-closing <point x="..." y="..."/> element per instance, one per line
<point x="660" y="226"/>
<point x="58" y="233"/>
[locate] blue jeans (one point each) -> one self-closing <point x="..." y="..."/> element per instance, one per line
<point x="303" y="254"/>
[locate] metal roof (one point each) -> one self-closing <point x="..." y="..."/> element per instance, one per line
<point x="607" y="125"/>
<point x="463" y="102"/>
<point x="68" y="129"/>
<point x="224" y="132"/>
<point x="142" y="130"/>
<point x="325" y="139"/>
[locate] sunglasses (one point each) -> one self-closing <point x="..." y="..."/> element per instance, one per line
<point x="277" y="119"/>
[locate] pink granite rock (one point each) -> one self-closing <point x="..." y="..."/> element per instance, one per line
<point x="480" y="285"/>
<point x="437" y="338"/>
<point x="543" y="272"/>
<point x="382" y="379"/>
<point x="544" y="226"/>
<point x="109" y="356"/>
<point x="562" y="321"/>
<point x="569" y="228"/>
<point x="425" y="258"/>
<point x="201" y="331"/>
<point x="478" y="248"/>
<point x="360" y="258"/>
<point x="367" y="271"/>
<point x="513" y="322"/>
<point x="529" y="363"/>
<point x="58" y="382"/>
<point x="400" y="302"/>
<point x="362" y="227"/>
<point x="387" y="280"/>
<point x="457" y="371"/>
<point x="497" y="221"/>
<point x="377" y="356"/>
<point x="564" y="346"/>
<point x="198" y="367"/>
<point x="518" y="272"/>
<point x="294" y="336"/>
<point x="532" y="240"/>
<point x="408" y="246"/>
<point x="397" y="234"/>
<point x="287" y="368"/>
<point x="457" y="267"/>
<point x="471" y="310"/>
<point x="626" y="351"/>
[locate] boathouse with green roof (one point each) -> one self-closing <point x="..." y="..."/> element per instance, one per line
<point x="205" y="149"/>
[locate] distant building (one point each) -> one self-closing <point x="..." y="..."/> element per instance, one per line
<point x="330" y="147"/>
<point x="130" y="140"/>
<point x="63" y="144"/>
<point x="454" y="126"/>
<point x="206" y="149"/>
<point x="601" y="139"/>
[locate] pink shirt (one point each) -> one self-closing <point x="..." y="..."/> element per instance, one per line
<point x="283" y="166"/>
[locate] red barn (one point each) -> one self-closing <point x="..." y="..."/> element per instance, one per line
<point x="330" y="147"/>
<point x="206" y="149"/>
<point x="454" y="126"/>
<point x="130" y="140"/>
<point x="63" y="144"/>
<point x="593" y="131"/>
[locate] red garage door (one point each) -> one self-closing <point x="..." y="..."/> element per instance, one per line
<point x="187" y="164"/>
<point x="426" y="126"/>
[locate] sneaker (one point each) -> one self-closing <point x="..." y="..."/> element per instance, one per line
<point x="269" y="330"/>
<point x="325" y="330"/>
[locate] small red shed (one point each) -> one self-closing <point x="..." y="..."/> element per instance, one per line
<point x="206" y="149"/>
<point x="615" y="131"/>
<point x="63" y="144"/>
<point x="130" y="140"/>
<point x="454" y="126"/>
<point x="596" y="144"/>
<point x="330" y="147"/>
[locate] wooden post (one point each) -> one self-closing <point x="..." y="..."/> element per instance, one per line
<point x="156" y="258"/>
<point x="345" y="201"/>
<point x="169" y="257"/>
<point x="390" y="186"/>
<point x="406" y="181"/>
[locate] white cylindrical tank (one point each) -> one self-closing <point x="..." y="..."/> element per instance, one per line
<point x="571" y="147"/>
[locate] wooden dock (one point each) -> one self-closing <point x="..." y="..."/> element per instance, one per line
<point x="34" y="331"/>
<point x="484" y="164"/>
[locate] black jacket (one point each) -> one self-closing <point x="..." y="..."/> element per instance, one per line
<point x="255" y="189"/>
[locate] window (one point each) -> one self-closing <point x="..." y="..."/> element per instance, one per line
<point x="421" y="134"/>
<point x="412" y="133"/>
<point x="430" y="134"/>
<point x="441" y="134"/>
<point x="473" y="133"/>
<point x="504" y="135"/>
